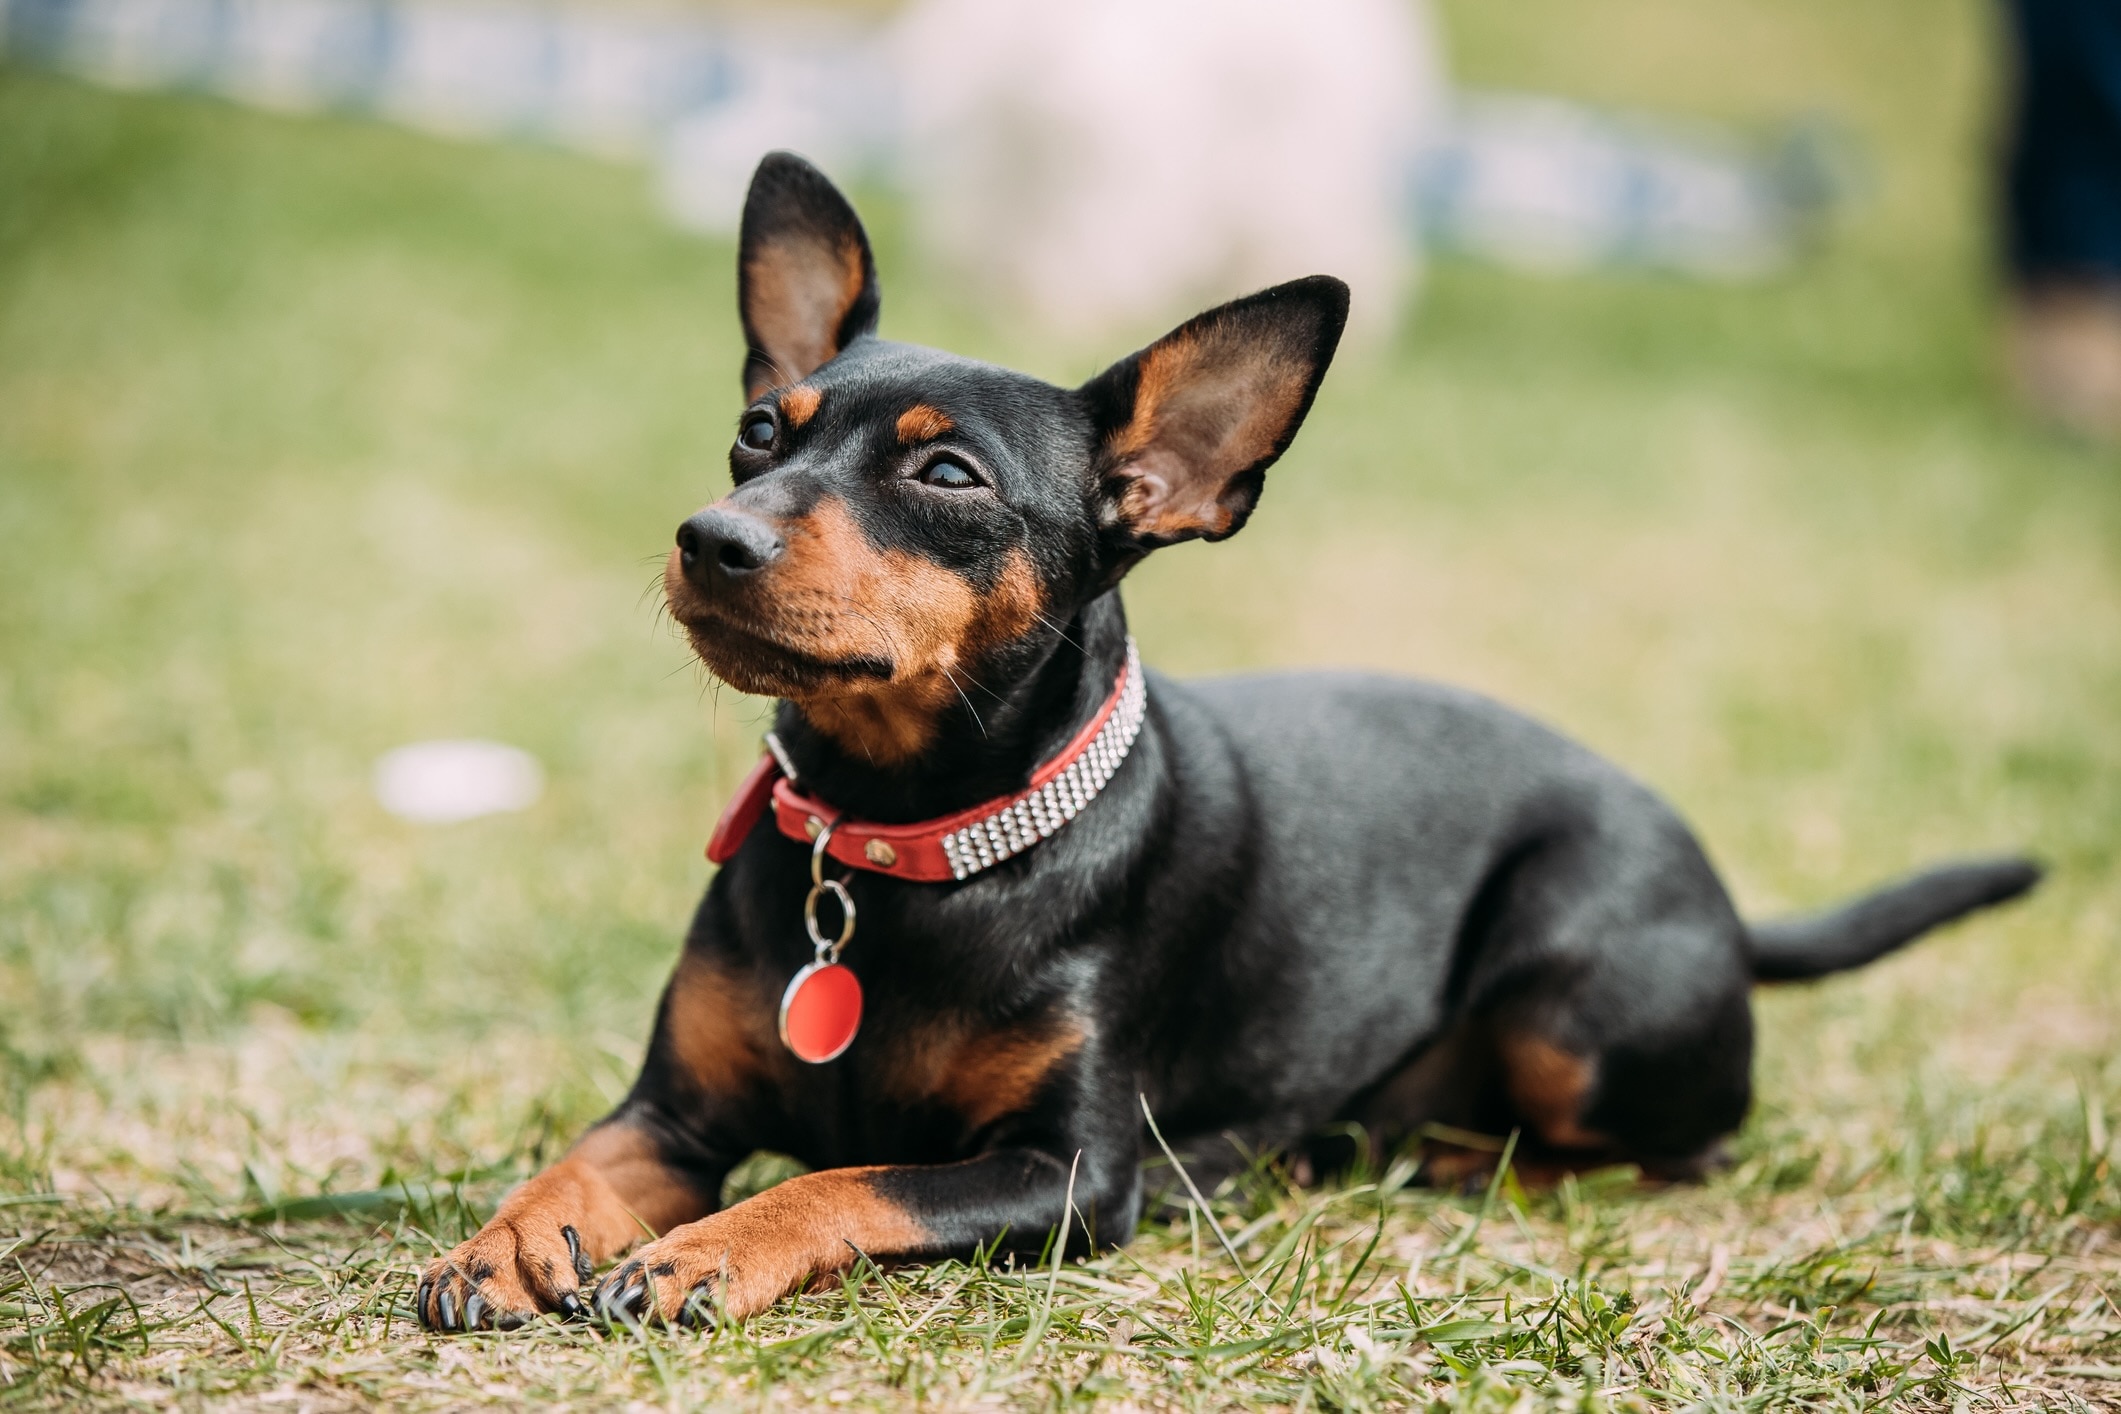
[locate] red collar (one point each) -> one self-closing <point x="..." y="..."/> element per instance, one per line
<point x="954" y="846"/>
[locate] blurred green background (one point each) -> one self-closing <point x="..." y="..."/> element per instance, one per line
<point x="318" y="437"/>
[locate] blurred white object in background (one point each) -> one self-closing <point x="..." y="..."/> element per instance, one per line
<point x="809" y="84"/>
<point x="606" y="79"/>
<point x="1544" y="184"/>
<point x="1109" y="164"/>
<point x="440" y="782"/>
<point x="1101" y="166"/>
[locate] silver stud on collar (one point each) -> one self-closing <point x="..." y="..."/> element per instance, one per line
<point x="1016" y="827"/>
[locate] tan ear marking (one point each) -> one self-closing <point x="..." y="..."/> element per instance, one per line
<point x="1161" y="367"/>
<point x="922" y="423"/>
<point x="1207" y="405"/>
<point x="798" y="291"/>
<point x="1191" y="423"/>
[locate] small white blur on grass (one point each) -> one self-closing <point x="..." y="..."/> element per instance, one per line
<point x="443" y="782"/>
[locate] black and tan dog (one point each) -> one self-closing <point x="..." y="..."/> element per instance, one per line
<point x="1261" y="907"/>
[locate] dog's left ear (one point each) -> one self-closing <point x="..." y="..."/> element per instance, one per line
<point x="1188" y="426"/>
<point x="806" y="282"/>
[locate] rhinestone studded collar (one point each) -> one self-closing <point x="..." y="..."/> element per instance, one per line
<point x="954" y="846"/>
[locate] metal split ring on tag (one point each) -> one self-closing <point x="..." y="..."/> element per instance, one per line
<point x="822" y="1008"/>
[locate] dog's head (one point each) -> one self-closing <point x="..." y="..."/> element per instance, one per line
<point x="903" y="517"/>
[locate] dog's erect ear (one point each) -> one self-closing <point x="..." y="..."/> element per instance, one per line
<point x="806" y="282"/>
<point x="1188" y="427"/>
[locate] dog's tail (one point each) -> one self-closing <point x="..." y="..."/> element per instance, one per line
<point x="1795" y="949"/>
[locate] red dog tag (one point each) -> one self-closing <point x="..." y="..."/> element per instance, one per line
<point x="821" y="1011"/>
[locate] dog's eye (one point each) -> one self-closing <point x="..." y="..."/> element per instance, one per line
<point x="756" y="433"/>
<point x="948" y="475"/>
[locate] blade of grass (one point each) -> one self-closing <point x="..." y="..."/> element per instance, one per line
<point x="1207" y="1213"/>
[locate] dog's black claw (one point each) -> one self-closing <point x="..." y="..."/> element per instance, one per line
<point x="584" y="1269"/>
<point x="445" y="1312"/>
<point x="474" y="1307"/>
<point x="624" y="1295"/>
<point x="571" y="1307"/>
<point x="511" y="1321"/>
<point x="697" y="1313"/>
<point x="419" y="1301"/>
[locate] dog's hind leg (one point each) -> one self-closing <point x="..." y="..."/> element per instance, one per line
<point x="1639" y="1052"/>
<point x="1459" y="1098"/>
<point x="1578" y="1091"/>
<point x="1603" y="1012"/>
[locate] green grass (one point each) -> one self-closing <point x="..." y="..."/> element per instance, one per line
<point x="316" y="438"/>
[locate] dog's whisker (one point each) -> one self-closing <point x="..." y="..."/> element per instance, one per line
<point x="1040" y="615"/>
<point x="967" y="700"/>
<point x="861" y="736"/>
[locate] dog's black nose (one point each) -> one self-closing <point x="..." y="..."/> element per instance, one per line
<point x="721" y="545"/>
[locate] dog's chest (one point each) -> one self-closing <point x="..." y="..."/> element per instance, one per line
<point x="921" y="1087"/>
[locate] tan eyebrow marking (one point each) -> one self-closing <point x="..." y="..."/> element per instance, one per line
<point x="921" y="423"/>
<point x="799" y="405"/>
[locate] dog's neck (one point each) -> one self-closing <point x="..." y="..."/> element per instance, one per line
<point x="988" y="742"/>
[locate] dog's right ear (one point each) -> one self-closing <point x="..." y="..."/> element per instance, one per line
<point x="806" y="282"/>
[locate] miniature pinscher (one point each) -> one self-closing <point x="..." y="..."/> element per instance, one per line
<point x="996" y="899"/>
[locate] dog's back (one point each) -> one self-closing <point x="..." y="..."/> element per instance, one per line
<point x="1423" y="858"/>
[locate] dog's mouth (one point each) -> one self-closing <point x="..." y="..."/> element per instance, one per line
<point x="872" y="648"/>
<point x="751" y="658"/>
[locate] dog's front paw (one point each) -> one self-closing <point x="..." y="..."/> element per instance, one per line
<point x="511" y="1272"/>
<point x="675" y="1279"/>
<point x="729" y="1265"/>
<point x="738" y="1262"/>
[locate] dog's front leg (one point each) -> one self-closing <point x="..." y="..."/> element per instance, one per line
<point x="741" y="1260"/>
<point x="614" y="1187"/>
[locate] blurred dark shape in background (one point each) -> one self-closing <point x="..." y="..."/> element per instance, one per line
<point x="2063" y="212"/>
